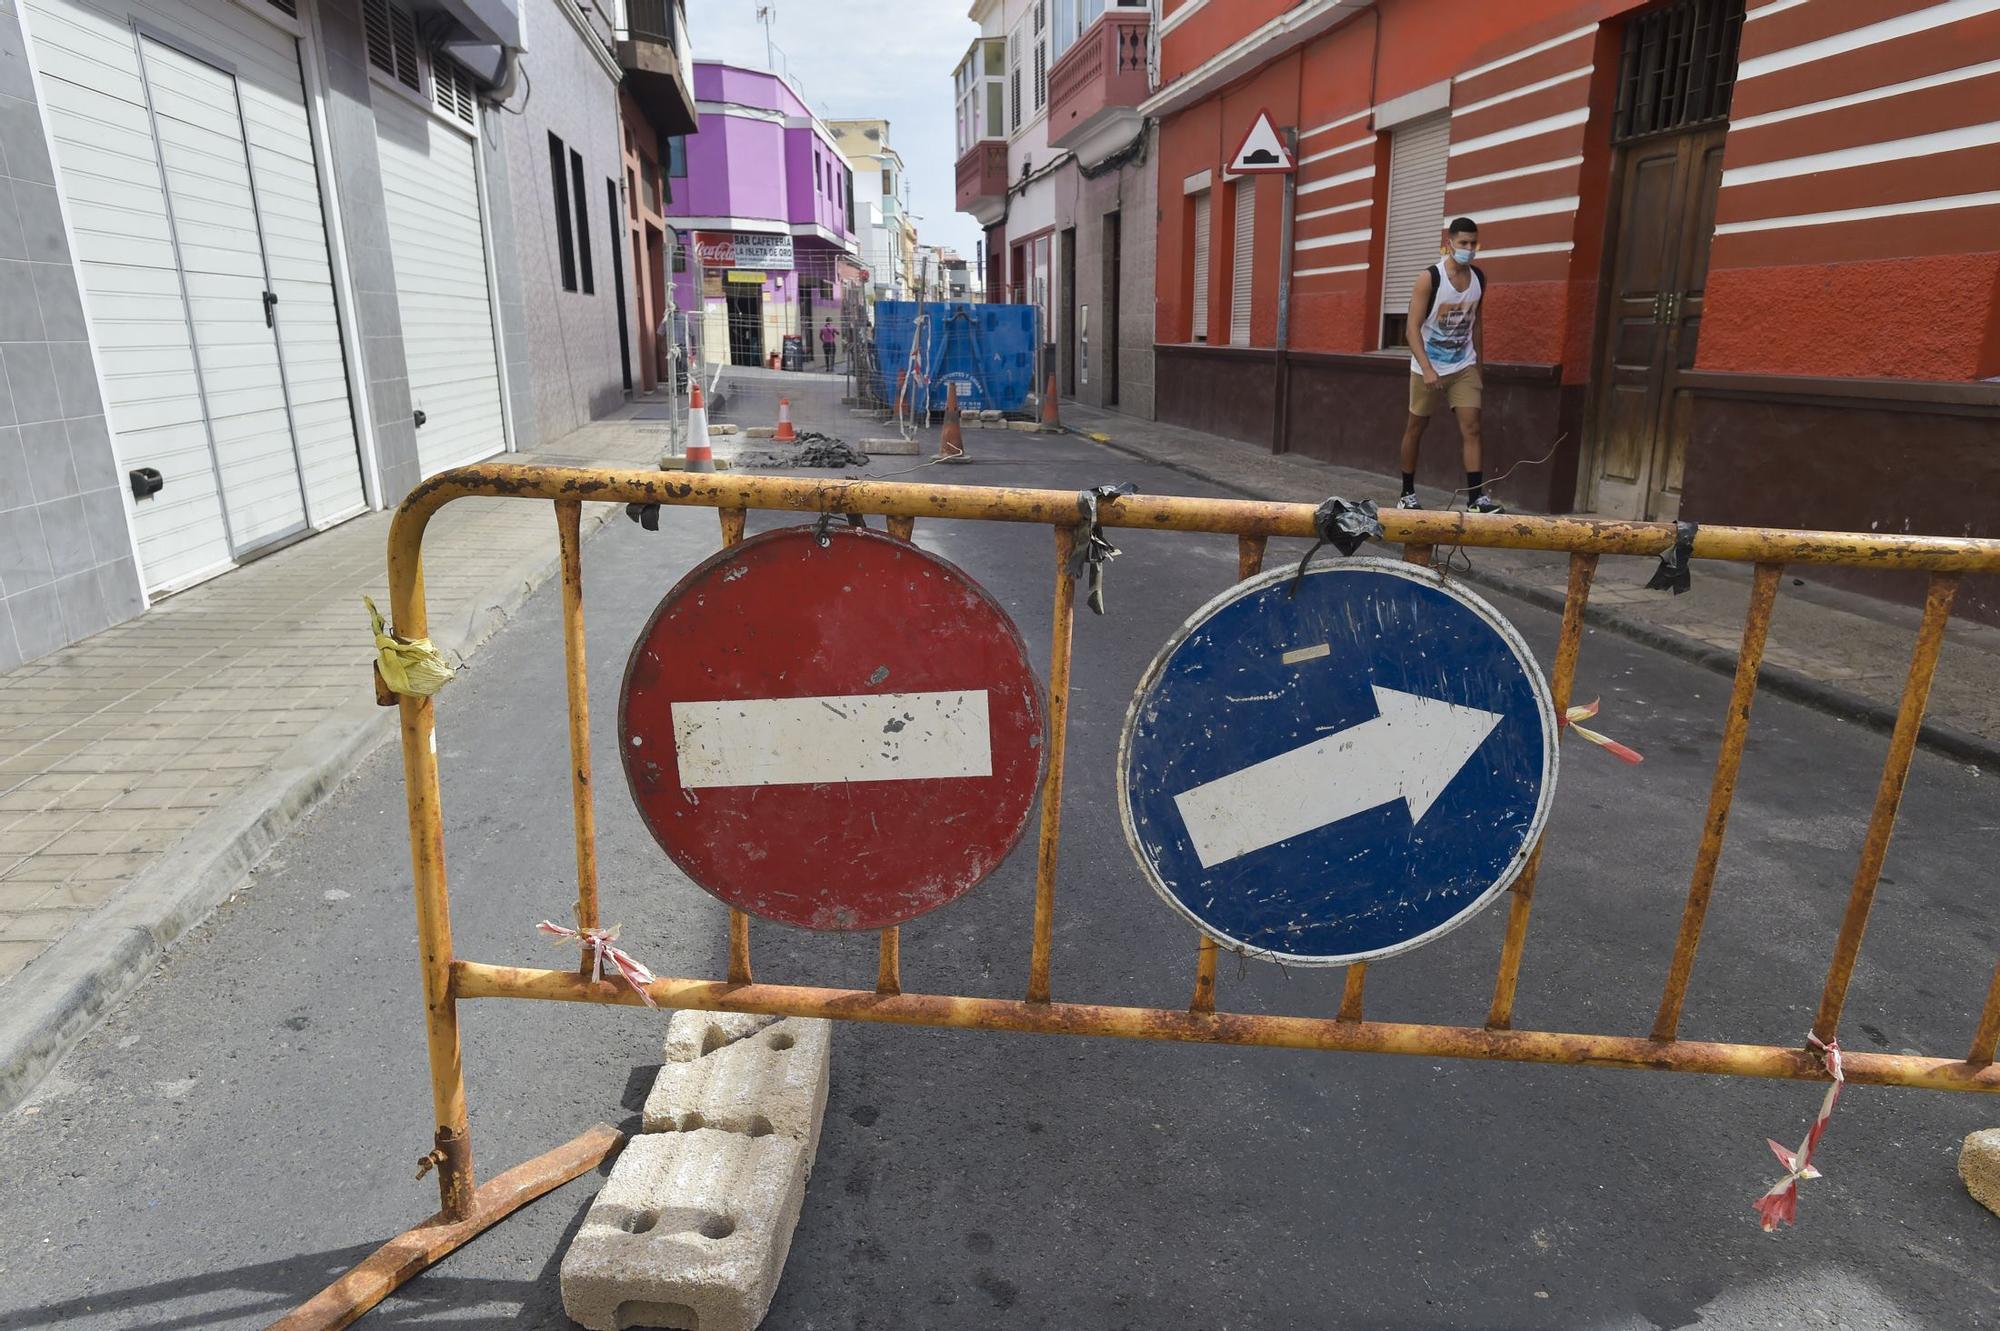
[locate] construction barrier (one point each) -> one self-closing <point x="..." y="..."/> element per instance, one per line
<point x="988" y="351"/>
<point x="608" y="976"/>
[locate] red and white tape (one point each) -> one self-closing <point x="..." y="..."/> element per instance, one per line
<point x="602" y="945"/>
<point x="1605" y="742"/>
<point x="1781" y="1204"/>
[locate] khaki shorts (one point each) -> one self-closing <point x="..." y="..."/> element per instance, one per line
<point x="1457" y="390"/>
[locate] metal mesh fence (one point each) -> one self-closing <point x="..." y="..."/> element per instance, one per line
<point x="810" y="316"/>
<point x="757" y="320"/>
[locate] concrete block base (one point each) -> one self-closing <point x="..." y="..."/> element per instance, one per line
<point x="722" y="429"/>
<point x="690" y="1231"/>
<point x="1025" y="427"/>
<point x="692" y="1228"/>
<point x="753" y="1081"/>
<point x="1979" y="1166"/>
<point x="692" y="1034"/>
<point x="678" y="462"/>
<point x="760" y="431"/>
<point x="992" y="414"/>
<point x="890" y="448"/>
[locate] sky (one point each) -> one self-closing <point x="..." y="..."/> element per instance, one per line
<point x="855" y="59"/>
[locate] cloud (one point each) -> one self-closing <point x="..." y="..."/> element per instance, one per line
<point x="866" y="58"/>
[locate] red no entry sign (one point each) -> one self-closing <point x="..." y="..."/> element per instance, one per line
<point x="840" y="736"/>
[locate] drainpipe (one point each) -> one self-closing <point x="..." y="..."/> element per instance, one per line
<point x="505" y="78"/>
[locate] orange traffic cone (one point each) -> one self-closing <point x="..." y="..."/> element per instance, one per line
<point x="786" y="434"/>
<point x="951" y="444"/>
<point x="700" y="454"/>
<point x="1051" y="411"/>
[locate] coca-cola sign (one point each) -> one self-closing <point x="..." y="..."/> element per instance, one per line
<point x="742" y="249"/>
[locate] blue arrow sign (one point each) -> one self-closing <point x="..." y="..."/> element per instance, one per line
<point x="1341" y="767"/>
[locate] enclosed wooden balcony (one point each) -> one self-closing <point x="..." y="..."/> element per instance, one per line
<point x="659" y="68"/>
<point x="982" y="176"/>
<point x="1096" y="88"/>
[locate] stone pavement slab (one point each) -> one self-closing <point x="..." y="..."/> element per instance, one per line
<point x="145" y="769"/>
<point x="1843" y="652"/>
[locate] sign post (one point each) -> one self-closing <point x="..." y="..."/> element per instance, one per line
<point x="1336" y="766"/>
<point x="832" y="728"/>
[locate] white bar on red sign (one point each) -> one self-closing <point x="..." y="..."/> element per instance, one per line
<point x="828" y="740"/>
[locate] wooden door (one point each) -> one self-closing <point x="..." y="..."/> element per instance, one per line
<point x="1657" y="274"/>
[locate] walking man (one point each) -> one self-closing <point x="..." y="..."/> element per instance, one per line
<point x="828" y="339"/>
<point x="1446" y="336"/>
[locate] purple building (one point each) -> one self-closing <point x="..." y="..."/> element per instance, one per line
<point x="763" y="204"/>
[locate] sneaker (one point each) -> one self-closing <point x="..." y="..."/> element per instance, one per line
<point x="1409" y="501"/>
<point x="1485" y="504"/>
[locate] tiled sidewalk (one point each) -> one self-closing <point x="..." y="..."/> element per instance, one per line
<point x="1846" y="644"/>
<point x="113" y="749"/>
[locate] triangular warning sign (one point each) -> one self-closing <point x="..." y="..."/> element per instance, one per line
<point x="1263" y="150"/>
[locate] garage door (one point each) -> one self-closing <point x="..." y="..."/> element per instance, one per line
<point x="432" y="194"/>
<point x="185" y="157"/>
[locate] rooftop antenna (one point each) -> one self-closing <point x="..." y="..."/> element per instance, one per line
<point x="767" y="14"/>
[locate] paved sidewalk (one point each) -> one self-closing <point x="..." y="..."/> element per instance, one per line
<point x="144" y="770"/>
<point x="1843" y="652"/>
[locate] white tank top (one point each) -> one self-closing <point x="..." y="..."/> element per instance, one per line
<point x="1447" y="329"/>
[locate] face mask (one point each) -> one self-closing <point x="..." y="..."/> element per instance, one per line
<point x="1463" y="256"/>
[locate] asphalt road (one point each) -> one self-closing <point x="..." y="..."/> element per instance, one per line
<point x="244" y="1127"/>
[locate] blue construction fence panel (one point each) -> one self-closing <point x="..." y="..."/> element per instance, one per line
<point x="987" y="350"/>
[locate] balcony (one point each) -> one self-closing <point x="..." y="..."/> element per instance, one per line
<point x="659" y="71"/>
<point x="1096" y="88"/>
<point x="982" y="180"/>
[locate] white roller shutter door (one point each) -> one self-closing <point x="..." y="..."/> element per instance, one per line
<point x="436" y="240"/>
<point x="185" y="158"/>
<point x="1240" y="277"/>
<point x="1417" y="158"/>
<point x="205" y="164"/>
<point x="1200" y="320"/>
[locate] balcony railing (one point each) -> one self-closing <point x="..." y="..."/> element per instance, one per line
<point x="982" y="174"/>
<point x="652" y="18"/>
<point x="1096" y="88"/>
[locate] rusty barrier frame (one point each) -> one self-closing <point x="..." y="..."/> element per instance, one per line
<point x="466" y="1210"/>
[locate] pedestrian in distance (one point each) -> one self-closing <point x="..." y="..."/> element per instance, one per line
<point x="828" y="340"/>
<point x="1447" y="335"/>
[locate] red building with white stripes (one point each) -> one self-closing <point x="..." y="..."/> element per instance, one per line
<point x="1743" y="266"/>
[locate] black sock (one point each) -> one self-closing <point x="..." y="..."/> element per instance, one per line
<point x="1475" y="484"/>
<point x="1409" y="482"/>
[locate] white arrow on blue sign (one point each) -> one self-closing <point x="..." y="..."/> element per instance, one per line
<point x="1339" y="767"/>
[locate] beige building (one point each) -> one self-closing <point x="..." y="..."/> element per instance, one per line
<point x="884" y="231"/>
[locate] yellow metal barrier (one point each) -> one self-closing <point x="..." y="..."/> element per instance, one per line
<point x="466" y="1210"/>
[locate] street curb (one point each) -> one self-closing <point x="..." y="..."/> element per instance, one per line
<point x="61" y="995"/>
<point x="1946" y="740"/>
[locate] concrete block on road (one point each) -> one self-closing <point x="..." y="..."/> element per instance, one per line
<point x="1979" y="1166"/>
<point x="722" y="429"/>
<point x="992" y="414"/>
<point x="761" y="431"/>
<point x="1025" y="427"/>
<point x="693" y="1226"/>
<point x="749" y="1080"/>
<point x="890" y="448"/>
<point x="691" y="1231"/>
<point x="692" y="1034"/>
